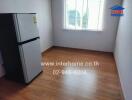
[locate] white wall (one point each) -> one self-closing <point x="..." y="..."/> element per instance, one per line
<point x="101" y="41"/>
<point x="43" y="10"/>
<point x="123" y="50"/>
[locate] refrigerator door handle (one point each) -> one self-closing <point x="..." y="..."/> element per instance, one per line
<point x="24" y="42"/>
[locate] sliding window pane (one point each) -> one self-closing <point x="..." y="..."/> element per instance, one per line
<point x="70" y="14"/>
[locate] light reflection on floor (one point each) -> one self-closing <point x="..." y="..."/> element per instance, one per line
<point x="76" y="83"/>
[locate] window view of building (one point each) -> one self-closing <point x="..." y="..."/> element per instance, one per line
<point x="75" y="19"/>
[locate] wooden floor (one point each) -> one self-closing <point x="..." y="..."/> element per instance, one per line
<point x="99" y="82"/>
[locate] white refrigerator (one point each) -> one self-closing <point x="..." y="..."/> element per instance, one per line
<point x="21" y="54"/>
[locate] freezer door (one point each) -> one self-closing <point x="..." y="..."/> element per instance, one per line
<point x="31" y="59"/>
<point x="26" y="26"/>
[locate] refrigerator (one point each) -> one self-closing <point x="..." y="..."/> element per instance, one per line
<point x="20" y="46"/>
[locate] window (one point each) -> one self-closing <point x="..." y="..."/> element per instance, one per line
<point x="83" y="14"/>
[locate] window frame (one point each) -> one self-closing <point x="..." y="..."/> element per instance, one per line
<point x="70" y="29"/>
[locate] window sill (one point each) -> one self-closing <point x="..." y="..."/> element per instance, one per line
<point x="85" y="30"/>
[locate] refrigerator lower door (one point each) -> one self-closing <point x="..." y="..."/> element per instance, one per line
<point x="31" y="59"/>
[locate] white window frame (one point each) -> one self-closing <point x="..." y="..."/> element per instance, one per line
<point x="64" y="19"/>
